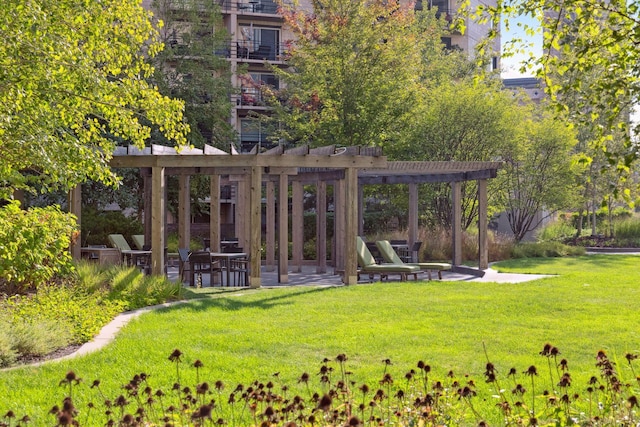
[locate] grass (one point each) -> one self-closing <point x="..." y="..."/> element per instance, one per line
<point x="246" y="335"/>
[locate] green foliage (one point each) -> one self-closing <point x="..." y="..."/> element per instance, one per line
<point x="33" y="246"/>
<point x="82" y="313"/>
<point x="97" y="225"/>
<point x="541" y="159"/>
<point x="73" y="78"/>
<point x="8" y="354"/>
<point x="172" y="243"/>
<point x="589" y="65"/>
<point x="57" y="315"/>
<point x="628" y="228"/>
<point x="458" y="120"/>
<point x="557" y="230"/>
<point x="193" y="29"/>
<point x="134" y="290"/>
<point x="545" y="250"/>
<point x="38" y="336"/>
<point x="352" y="78"/>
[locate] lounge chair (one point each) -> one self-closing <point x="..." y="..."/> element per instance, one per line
<point x="138" y="241"/>
<point x="368" y="264"/>
<point x="390" y="255"/>
<point x="118" y="241"/>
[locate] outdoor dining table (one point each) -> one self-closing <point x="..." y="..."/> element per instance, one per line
<point x="225" y="261"/>
<point x="131" y="257"/>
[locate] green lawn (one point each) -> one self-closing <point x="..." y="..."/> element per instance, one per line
<point x="592" y="304"/>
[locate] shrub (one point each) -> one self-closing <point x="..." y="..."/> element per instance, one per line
<point x="84" y="314"/>
<point x="8" y="354"/>
<point x="33" y="246"/>
<point x="58" y="315"/>
<point x="97" y="225"/>
<point x="545" y="249"/>
<point x="628" y="228"/>
<point x="557" y="230"/>
<point x="38" y="337"/>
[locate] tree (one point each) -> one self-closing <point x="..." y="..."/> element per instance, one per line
<point x="354" y="69"/>
<point x="193" y="68"/>
<point x="73" y="78"/>
<point x="458" y="120"/>
<point x="590" y="64"/>
<point x="537" y="179"/>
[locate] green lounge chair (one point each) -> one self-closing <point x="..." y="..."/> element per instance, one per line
<point x="390" y="255"/>
<point x="368" y="264"/>
<point x="118" y="241"/>
<point x="138" y="241"/>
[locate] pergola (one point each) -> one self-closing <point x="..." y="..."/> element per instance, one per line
<point x="346" y="168"/>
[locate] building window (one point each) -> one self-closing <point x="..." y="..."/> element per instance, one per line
<point x="252" y="133"/>
<point x="259" y="43"/>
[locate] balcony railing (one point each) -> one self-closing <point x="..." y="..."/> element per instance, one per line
<point x="252" y="51"/>
<point x="250" y="6"/>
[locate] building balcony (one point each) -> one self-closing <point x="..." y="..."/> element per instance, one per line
<point x="249" y="51"/>
<point x="259" y="7"/>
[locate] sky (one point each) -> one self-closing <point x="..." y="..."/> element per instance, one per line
<point x="510" y="66"/>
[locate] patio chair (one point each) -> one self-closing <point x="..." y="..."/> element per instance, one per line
<point x="183" y="263"/>
<point x="138" y="241"/>
<point x="390" y="255"/>
<point x="201" y="263"/>
<point x="118" y="241"/>
<point x="368" y="264"/>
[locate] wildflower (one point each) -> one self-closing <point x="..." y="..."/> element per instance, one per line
<point x="175" y="356"/>
<point x="387" y="362"/>
<point x="519" y="390"/>
<point x="564" y="365"/>
<point x="633" y="401"/>
<point x="531" y="371"/>
<point x="546" y="351"/>
<point x="325" y="403"/>
<point x="304" y="378"/>
<point x="219" y="385"/>
<point x="198" y="364"/>
<point x="565" y="381"/>
<point x="202" y="388"/>
<point x="341" y="358"/>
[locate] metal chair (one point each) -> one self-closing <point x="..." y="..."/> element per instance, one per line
<point x="415" y="252"/>
<point x="201" y="263"/>
<point x="238" y="267"/>
<point x="183" y="263"/>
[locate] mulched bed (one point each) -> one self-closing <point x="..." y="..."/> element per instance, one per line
<point x="61" y="352"/>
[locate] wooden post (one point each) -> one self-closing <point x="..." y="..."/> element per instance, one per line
<point x="297" y="225"/>
<point x="271" y="226"/>
<point x="351" y="227"/>
<point x="321" y="227"/>
<point x="75" y="207"/>
<point x="360" y="210"/>
<point x="214" y="210"/>
<point x="413" y="213"/>
<point x="339" y="229"/>
<point x="241" y="208"/>
<point x="184" y="211"/>
<point x="456" y="222"/>
<point x="148" y="201"/>
<point x="255" y="225"/>
<point x="483" y="242"/>
<point x="157" y="220"/>
<point x="283" y="229"/>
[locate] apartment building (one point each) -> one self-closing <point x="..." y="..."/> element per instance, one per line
<point x="257" y="41"/>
